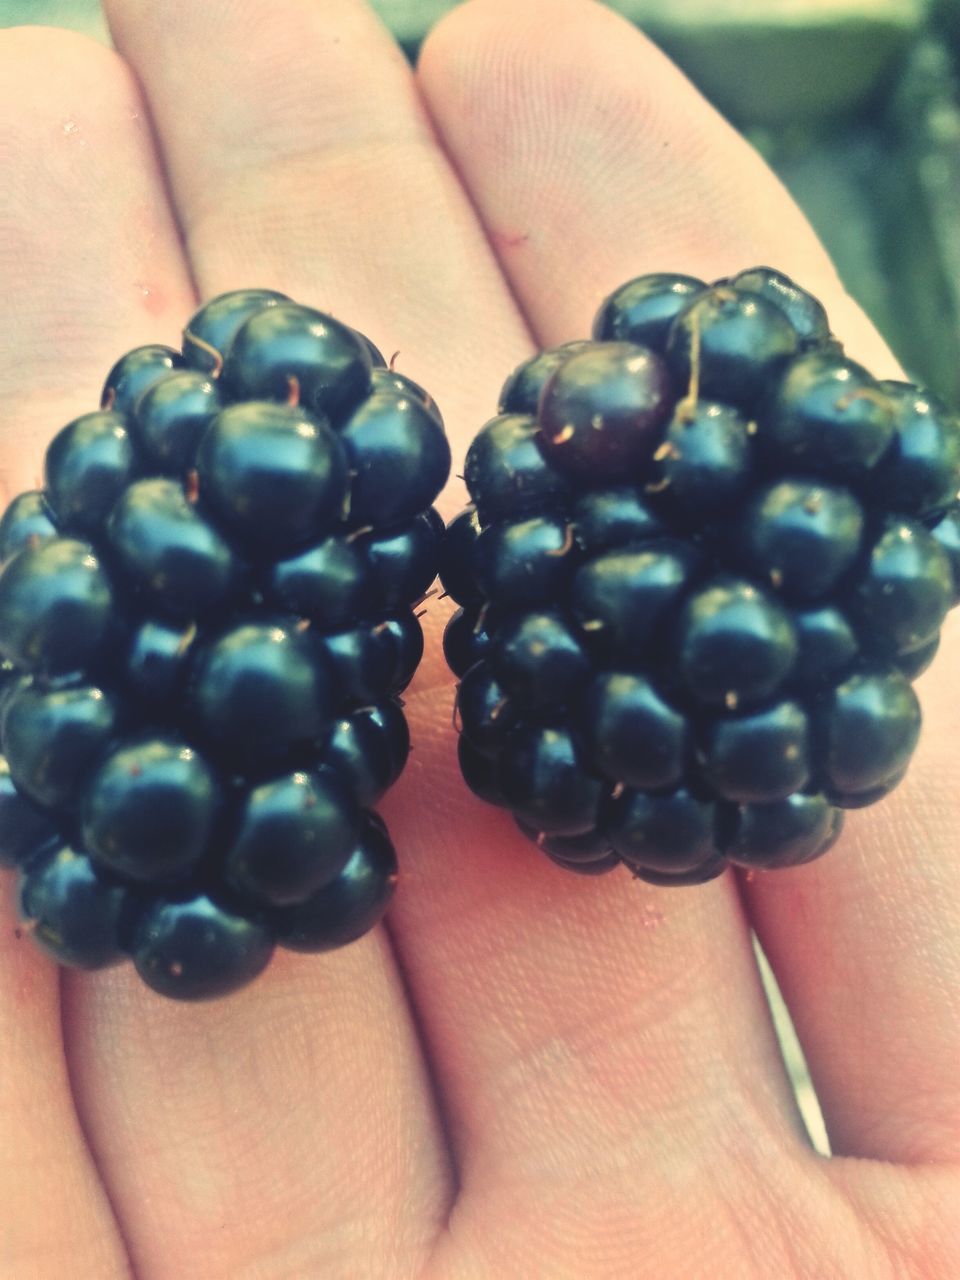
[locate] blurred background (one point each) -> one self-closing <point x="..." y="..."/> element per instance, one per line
<point x="855" y="104"/>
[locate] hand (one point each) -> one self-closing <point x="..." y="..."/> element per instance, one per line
<point x="524" y="1074"/>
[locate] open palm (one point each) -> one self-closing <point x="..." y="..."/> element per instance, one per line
<point x="524" y="1074"/>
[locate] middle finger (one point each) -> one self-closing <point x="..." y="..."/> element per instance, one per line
<point x="297" y="159"/>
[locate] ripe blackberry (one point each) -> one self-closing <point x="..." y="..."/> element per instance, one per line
<point x="207" y="616"/>
<point x="705" y="557"/>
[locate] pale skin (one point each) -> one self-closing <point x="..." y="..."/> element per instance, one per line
<point x="525" y="1074"/>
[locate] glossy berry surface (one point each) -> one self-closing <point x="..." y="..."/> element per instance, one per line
<point x="918" y="474"/>
<point x="273" y="475"/>
<point x="286" y="350"/>
<point x="172" y="416"/>
<point x="785" y="833"/>
<point x="522" y="390"/>
<point x="210" y="332"/>
<point x="88" y="465"/>
<point x="351" y="903"/>
<point x="507" y="466"/>
<point x="805" y="314"/>
<point x="198" y="949"/>
<point x="456" y="557"/>
<point x="728" y="344"/>
<point x="207" y="616"/>
<point x="24" y="827"/>
<point x="135" y="373"/>
<point x="705" y="459"/>
<point x="705" y="557"/>
<point x="149" y="810"/>
<point x="71" y="911"/>
<point x="600" y="408"/>
<point x="294" y="835"/>
<point x="398" y="456"/>
<point x="802" y="537"/>
<point x="26" y="521"/>
<point x="56" y="607"/>
<point x="827" y="416"/>
<point x="644" y="309"/>
<point x="166" y="554"/>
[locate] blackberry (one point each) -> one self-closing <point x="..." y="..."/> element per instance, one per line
<point x="827" y="648"/>
<point x="664" y="832"/>
<point x="525" y="563"/>
<point x="148" y="811"/>
<point x="604" y="519"/>
<point x="156" y="663"/>
<point x="207" y="616"/>
<point x="326" y="583"/>
<point x="629" y="731"/>
<point x="283" y="349"/>
<point x="589" y="854"/>
<point x="24" y="827"/>
<point x="376" y="656"/>
<point x="625" y="597"/>
<point x="402" y="562"/>
<point x="539" y="659"/>
<point x="905" y="590"/>
<point x="783" y="834"/>
<point x="197" y="947"/>
<point x="295" y="835"/>
<point x="369" y="748"/>
<point x="543" y="783"/>
<point x="210" y="332"/>
<point x="705" y="557"/>
<point x="53" y="737"/>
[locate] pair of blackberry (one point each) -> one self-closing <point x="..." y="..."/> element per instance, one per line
<point x="208" y="616"/>
<point x="705" y="557"/>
